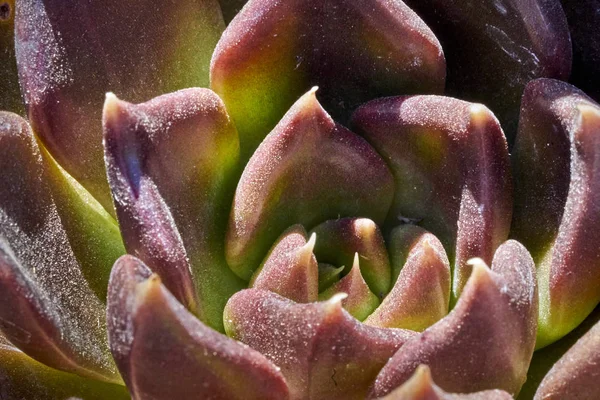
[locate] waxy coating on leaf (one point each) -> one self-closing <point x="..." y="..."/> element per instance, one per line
<point x="164" y="352"/>
<point x="340" y="239"/>
<point x="10" y="100"/>
<point x="486" y="342"/>
<point x="557" y="195"/>
<point x="421" y="295"/>
<point x="495" y="47"/>
<point x="421" y="387"/>
<point x="322" y="351"/>
<point x="171" y="165"/>
<point x="47" y="308"/>
<point x="290" y="269"/>
<point x="21" y="377"/>
<point x="360" y="301"/>
<point x="584" y="23"/>
<point x="70" y="53"/>
<point x="577" y="374"/>
<point x="308" y="170"/>
<point x="451" y="168"/>
<point x="355" y="50"/>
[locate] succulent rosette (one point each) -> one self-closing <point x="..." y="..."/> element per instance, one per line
<point x="340" y="199"/>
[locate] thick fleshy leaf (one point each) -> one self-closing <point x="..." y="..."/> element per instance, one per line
<point x="494" y="48"/>
<point x="21" y="377"/>
<point x="171" y="164"/>
<point x="322" y="351"/>
<point x="421" y="387"/>
<point x="487" y="341"/>
<point x="10" y="100"/>
<point x="557" y="201"/>
<point x="360" y="301"/>
<point x="47" y="308"/>
<point x="93" y="233"/>
<point x="70" y="53"/>
<point x="328" y="275"/>
<point x="341" y="238"/>
<point x="355" y="50"/>
<point x="164" y="352"/>
<point x="230" y="8"/>
<point x="577" y="374"/>
<point x="584" y="23"/>
<point x="290" y="268"/>
<point x="421" y="295"/>
<point x="308" y="170"/>
<point x="452" y="172"/>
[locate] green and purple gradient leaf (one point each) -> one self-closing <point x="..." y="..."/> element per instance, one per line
<point x="360" y="301"/>
<point x="421" y="387"/>
<point x="47" y="308"/>
<point x="290" y="269"/>
<point x="495" y="47"/>
<point x="339" y="240"/>
<point x="308" y="170"/>
<point x="421" y="295"/>
<point x="172" y="163"/>
<point x="164" y="352"/>
<point x="355" y="50"/>
<point x="21" y="377"/>
<point x="577" y="373"/>
<point x="10" y="100"/>
<point x="69" y="54"/>
<point x="487" y="341"/>
<point x="322" y="351"/>
<point x="451" y="170"/>
<point x="557" y="201"/>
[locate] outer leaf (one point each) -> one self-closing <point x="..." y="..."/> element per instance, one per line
<point x="495" y="47"/>
<point x="451" y="169"/>
<point x="171" y="164"/>
<point x="577" y="373"/>
<point x="9" y="82"/>
<point x="47" y="308"/>
<point x="341" y="238"/>
<point x="487" y="341"/>
<point x="290" y="179"/>
<point x="421" y="295"/>
<point x="557" y="195"/>
<point x="421" y="387"/>
<point x="322" y="351"/>
<point x="355" y="50"/>
<point x="164" y="352"/>
<point x="360" y="301"/>
<point x="290" y="269"/>
<point x="21" y="377"/>
<point x="70" y="53"/>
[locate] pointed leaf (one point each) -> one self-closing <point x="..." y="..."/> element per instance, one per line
<point x="171" y="165"/>
<point x="421" y="295"/>
<point x="68" y="57"/>
<point x="308" y="170"/>
<point x="322" y="351"/>
<point x="360" y="301"/>
<point x="47" y="308"/>
<point x="421" y="387"/>
<point x="21" y="377"/>
<point x="495" y="47"/>
<point x="290" y="268"/>
<point x="452" y="172"/>
<point x="577" y="373"/>
<point x="355" y="50"/>
<point x="557" y="195"/>
<point x="341" y="238"/>
<point x="152" y="336"/>
<point x="487" y="341"/>
<point x="9" y="82"/>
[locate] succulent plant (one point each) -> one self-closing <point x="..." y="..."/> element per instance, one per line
<point x="185" y="215"/>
